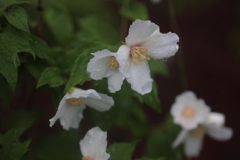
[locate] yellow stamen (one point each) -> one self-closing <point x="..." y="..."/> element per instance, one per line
<point x="113" y="63"/>
<point x="75" y="101"/>
<point x="188" y="112"/>
<point x="198" y="132"/>
<point x="86" y="158"/>
<point x="139" y="54"/>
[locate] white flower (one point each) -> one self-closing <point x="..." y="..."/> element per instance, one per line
<point x="94" y="144"/>
<point x="188" y="111"/>
<point x="144" y="41"/>
<point x="104" y="64"/>
<point x="193" y="139"/>
<point x="72" y="105"/>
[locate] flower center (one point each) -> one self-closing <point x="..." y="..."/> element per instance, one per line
<point x="139" y="54"/>
<point x="188" y="112"/>
<point x="86" y="158"/>
<point x="113" y="63"/>
<point x="75" y="101"/>
<point x="198" y="132"/>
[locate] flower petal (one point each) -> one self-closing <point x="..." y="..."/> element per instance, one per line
<point x="98" y="101"/>
<point x="215" y="118"/>
<point x="98" y="66"/>
<point x="181" y="137"/>
<point x="193" y="145"/>
<point x="140" y="79"/>
<point x="140" y="31"/>
<point x="94" y="144"/>
<point x="162" y="45"/>
<point x="219" y="133"/>
<point x="69" y="116"/>
<point x="115" y="81"/>
<point x="123" y="59"/>
<point x="188" y="100"/>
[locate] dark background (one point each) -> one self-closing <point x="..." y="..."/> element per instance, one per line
<point x="209" y="34"/>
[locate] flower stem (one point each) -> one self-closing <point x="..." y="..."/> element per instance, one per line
<point x="179" y="55"/>
<point x="39" y="25"/>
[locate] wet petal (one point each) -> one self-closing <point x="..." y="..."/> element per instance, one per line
<point x="193" y="145"/>
<point x="69" y="116"/>
<point x="162" y="45"/>
<point x="181" y="138"/>
<point x="98" y="101"/>
<point x="115" y="81"/>
<point x="123" y="58"/>
<point x="139" y="31"/>
<point x="94" y="144"/>
<point x="140" y="79"/>
<point x="98" y="66"/>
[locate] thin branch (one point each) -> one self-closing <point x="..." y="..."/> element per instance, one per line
<point x="124" y="22"/>
<point x="39" y="25"/>
<point x="180" y="59"/>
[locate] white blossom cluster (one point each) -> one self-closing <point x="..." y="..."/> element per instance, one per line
<point x="196" y="120"/>
<point x="130" y="62"/>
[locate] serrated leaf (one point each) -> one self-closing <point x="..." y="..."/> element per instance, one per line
<point x="9" y="60"/>
<point x="100" y="28"/>
<point x="51" y="76"/>
<point x="40" y="48"/>
<point x="17" y="17"/>
<point x="121" y="151"/>
<point x="158" y="67"/>
<point x="79" y="72"/>
<point x="11" y="148"/>
<point x="59" y="21"/>
<point x="136" y="10"/>
<point x="6" y="3"/>
<point x="20" y="38"/>
<point x="159" y="143"/>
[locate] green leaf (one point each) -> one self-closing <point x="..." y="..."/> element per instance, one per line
<point x="158" y="67"/>
<point x="131" y="115"/>
<point x="136" y="10"/>
<point x="9" y="60"/>
<point x="6" y="93"/>
<point x="17" y="17"/>
<point x="121" y="151"/>
<point x="23" y="118"/>
<point x="6" y="3"/>
<point x="40" y="47"/>
<point x="12" y="149"/>
<point x="59" y="21"/>
<point x="20" y="38"/>
<point x="105" y="120"/>
<point x="151" y="99"/>
<point x="52" y="76"/>
<point x="102" y="30"/>
<point x="79" y="72"/>
<point x="61" y="146"/>
<point x="37" y="67"/>
<point x="159" y="143"/>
